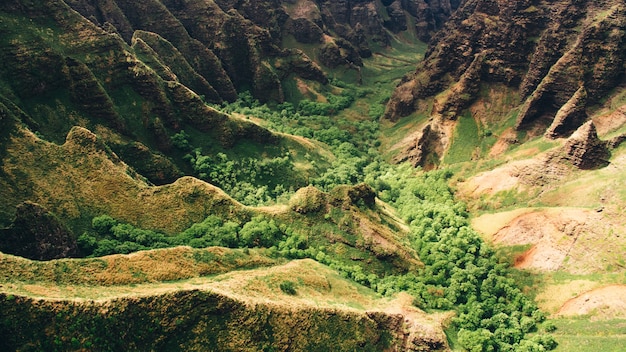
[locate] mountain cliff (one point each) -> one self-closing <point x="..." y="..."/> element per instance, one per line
<point x="193" y="174"/>
<point x="558" y="59"/>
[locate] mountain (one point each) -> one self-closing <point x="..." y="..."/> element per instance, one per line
<point x="298" y="175"/>
<point x="557" y="60"/>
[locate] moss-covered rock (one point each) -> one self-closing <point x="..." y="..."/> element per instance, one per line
<point x="308" y="200"/>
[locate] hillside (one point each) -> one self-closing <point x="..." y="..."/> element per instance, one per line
<point x="312" y="175"/>
<point x="205" y="307"/>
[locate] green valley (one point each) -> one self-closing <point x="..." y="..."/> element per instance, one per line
<point x="308" y="175"/>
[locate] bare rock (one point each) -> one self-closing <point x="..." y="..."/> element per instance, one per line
<point x="616" y="141"/>
<point x="585" y="150"/>
<point x="397" y="18"/>
<point x="570" y="116"/>
<point x="339" y="52"/>
<point x="305" y="31"/>
<point x="426" y="147"/>
<point x="548" y="52"/>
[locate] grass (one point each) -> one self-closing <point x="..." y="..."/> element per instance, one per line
<point x="583" y="335"/>
<point x="161" y="207"/>
<point x="465" y="141"/>
<point x="251" y="276"/>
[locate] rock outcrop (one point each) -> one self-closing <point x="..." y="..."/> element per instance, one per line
<point x="561" y="57"/>
<point x="430" y="16"/>
<point x="585" y="150"/>
<point x="569" y="116"/>
<point x="37" y="234"/>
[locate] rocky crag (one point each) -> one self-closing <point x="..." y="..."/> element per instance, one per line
<point x="559" y="58"/>
<point x="142" y="70"/>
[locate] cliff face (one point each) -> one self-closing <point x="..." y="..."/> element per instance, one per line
<point x="143" y="69"/>
<point x="135" y="73"/>
<point x="360" y="22"/>
<point x="560" y="57"/>
<point x="232" y="44"/>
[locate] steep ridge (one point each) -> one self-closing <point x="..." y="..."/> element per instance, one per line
<point x="142" y="70"/>
<point x="324" y="312"/>
<point x="136" y="78"/>
<point x="60" y="70"/>
<point x="561" y="58"/>
<point x="37" y="174"/>
<point x="41" y="172"/>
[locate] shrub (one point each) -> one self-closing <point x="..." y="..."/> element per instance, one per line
<point x="288" y="287"/>
<point x="259" y="232"/>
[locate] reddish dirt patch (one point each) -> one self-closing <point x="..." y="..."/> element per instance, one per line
<point x="603" y="303"/>
<point x="506" y="139"/>
<point x="611" y="121"/>
<point x="561" y="239"/>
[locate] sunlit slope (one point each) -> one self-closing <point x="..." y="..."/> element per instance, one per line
<point x="197" y="299"/>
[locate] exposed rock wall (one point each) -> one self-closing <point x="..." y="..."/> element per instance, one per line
<point x="561" y="57"/>
<point x="585" y="150"/>
<point x="37" y="234"/>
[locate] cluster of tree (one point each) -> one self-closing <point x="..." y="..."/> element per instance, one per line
<point x="317" y="120"/>
<point x="460" y="272"/>
<point x="256" y="182"/>
<point x="110" y="236"/>
<point x="249" y="180"/>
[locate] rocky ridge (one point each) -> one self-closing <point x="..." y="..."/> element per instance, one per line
<point x="561" y="57"/>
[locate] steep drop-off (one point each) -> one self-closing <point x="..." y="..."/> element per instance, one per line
<point x="560" y="58"/>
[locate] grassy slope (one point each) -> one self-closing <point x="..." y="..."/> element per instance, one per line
<point x="604" y="241"/>
<point x="246" y="280"/>
<point x="383" y="71"/>
<point x="100" y="184"/>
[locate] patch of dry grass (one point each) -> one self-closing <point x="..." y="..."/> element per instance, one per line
<point x="83" y="178"/>
<point x="152" y="266"/>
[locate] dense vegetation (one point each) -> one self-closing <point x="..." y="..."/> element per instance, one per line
<point x="260" y="182"/>
<point x="255" y="181"/>
<point x="460" y="272"/>
<point x="112" y="237"/>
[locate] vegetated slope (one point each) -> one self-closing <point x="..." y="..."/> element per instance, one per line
<point x="141" y="95"/>
<point x="556" y="207"/>
<point x="570" y="220"/>
<point x="341" y="229"/>
<point x="121" y="303"/>
<point x="558" y="58"/>
<point x="60" y="70"/>
<point x="37" y="174"/>
<point x="501" y="87"/>
<point x="42" y="172"/>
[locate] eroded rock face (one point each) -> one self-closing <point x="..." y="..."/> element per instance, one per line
<point x="430" y="15"/>
<point x="37" y="234"/>
<point x="506" y="34"/>
<point x="561" y="57"/>
<point x="569" y="116"/>
<point x="497" y="31"/>
<point x="305" y="31"/>
<point x="585" y="150"/>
